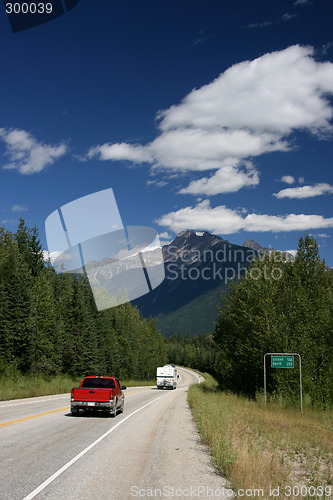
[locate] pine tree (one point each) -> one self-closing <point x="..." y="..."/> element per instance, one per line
<point x="15" y="290"/>
<point x="30" y="247"/>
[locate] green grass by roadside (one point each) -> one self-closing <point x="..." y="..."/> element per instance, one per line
<point x="30" y="386"/>
<point x="262" y="449"/>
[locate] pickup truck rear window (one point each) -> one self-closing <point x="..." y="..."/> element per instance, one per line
<point x="99" y="383"/>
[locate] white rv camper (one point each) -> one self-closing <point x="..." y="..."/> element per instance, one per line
<point x="166" y="376"/>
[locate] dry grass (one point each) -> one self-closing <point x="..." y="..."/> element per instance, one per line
<point x="264" y="449"/>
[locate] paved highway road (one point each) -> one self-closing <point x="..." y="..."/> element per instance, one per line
<point x="150" y="450"/>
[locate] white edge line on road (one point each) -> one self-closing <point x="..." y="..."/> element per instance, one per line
<point x="51" y="398"/>
<point x="35" y="401"/>
<point x="71" y="462"/>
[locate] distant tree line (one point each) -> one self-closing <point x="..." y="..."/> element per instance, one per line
<point x="198" y="352"/>
<point x="49" y="323"/>
<point x="279" y="306"/>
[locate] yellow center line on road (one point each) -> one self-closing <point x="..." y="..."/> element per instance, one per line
<point x="52" y="411"/>
<point x="33" y="416"/>
<point x="136" y="392"/>
<point x="184" y="383"/>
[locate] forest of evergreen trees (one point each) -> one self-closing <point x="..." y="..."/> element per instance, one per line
<point x="199" y="352"/>
<point x="282" y="307"/>
<point x="49" y="323"/>
<point x="286" y="308"/>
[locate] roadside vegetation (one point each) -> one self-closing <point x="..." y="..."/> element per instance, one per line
<point x="24" y="386"/>
<point x="283" y="307"/>
<point x="265" y="449"/>
<point x="27" y="386"/>
<point x="280" y="306"/>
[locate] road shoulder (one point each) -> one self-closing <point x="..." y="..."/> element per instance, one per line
<point x="180" y="463"/>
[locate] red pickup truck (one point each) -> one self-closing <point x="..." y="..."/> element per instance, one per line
<point x="98" y="393"/>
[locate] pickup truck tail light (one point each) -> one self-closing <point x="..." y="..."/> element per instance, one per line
<point x="72" y="395"/>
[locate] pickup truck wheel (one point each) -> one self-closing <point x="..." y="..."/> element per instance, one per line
<point x="121" y="409"/>
<point x="74" y="411"/>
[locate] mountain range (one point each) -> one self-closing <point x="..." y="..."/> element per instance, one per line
<point x="198" y="269"/>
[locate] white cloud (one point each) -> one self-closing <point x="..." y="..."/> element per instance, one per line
<point x="227" y="179"/>
<point x="289" y="222"/>
<point x="249" y="110"/>
<point x="326" y="47"/>
<point x="155" y="182"/>
<point x="287" y="16"/>
<point x="26" y="154"/>
<point x="19" y="208"/>
<point x="164" y="236"/>
<point x="52" y="255"/>
<point x="219" y="219"/>
<point x="305" y="191"/>
<point x="198" y="150"/>
<point x="301" y="180"/>
<point x="194" y="149"/>
<point x="263" y="24"/>
<point x="293" y="252"/>
<point x="9" y="221"/>
<point x="133" y="153"/>
<point x="288" y="179"/>
<point x="223" y="220"/>
<point x="277" y="92"/>
<point x="202" y="38"/>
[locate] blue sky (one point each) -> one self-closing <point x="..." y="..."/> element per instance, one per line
<point x="208" y="115"/>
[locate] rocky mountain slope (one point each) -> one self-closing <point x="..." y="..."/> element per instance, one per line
<point x="198" y="270"/>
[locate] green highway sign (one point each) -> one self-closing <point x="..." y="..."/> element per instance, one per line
<point x="282" y="361"/>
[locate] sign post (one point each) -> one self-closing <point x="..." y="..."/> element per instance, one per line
<point x="283" y="360"/>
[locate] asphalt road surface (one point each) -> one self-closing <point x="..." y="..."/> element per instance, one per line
<point x="152" y="450"/>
